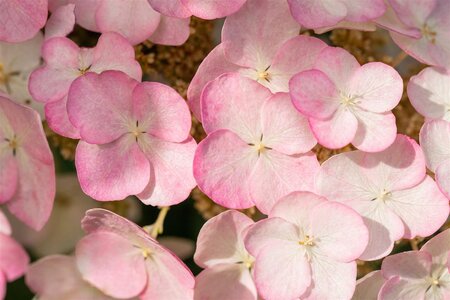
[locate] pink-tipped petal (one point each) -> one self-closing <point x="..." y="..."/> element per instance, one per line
<point x="397" y="288"/>
<point x="338" y="64"/>
<point x="284" y="129"/>
<point x="438" y="247"/>
<point x="223" y="164"/>
<point x="85" y="11"/>
<point x="112" y="171"/>
<point x="9" y="174"/>
<point x="61" y="22"/>
<point x="58" y="120"/>
<point x="171" y="31"/>
<point x="250" y="38"/>
<point x="13" y="258"/>
<point x="5" y="227"/>
<point x="99" y="105"/>
<point x="112" y="264"/>
<point x="171" y="8"/>
<point x="442" y="175"/>
<point x="161" y="111"/>
<point x="212" y="9"/>
<point x="316" y="14"/>
<point x="368" y="287"/>
<point x="435" y="142"/>
<point x="171" y="171"/>
<point x="409" y="265"/>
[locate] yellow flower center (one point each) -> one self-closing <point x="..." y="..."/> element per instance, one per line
<point x="307" y="241"/>
<point x="428" y="33"/>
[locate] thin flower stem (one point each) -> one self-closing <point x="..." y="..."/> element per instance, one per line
<point x="158" y="227"/>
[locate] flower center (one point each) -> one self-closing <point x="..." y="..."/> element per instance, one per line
<point x="13" y="144"/>
<point x="136" y="131"/>
<point x="349" y="100"/>
<point x="263" y="75"/>
<point x="84" y="70"/>
<point x="428" y="33"/>
<point x="383" y="196"/>
<point x="259" y="146"/>
<point x="248" y="262"/>
<point x="146" y="253"/>
<point x="307" y="241"/>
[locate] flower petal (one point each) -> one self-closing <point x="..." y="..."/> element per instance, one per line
<point x="85" y="11"/>
<point x="368" y="287"/>
<point x="442" y="175"/>
<point x="171" y="8"/>
<point x="411" y="265"/>
<point x="61" y="22"/>
<point x="171" y="31"/>
<point x="212" y="9"/>
<point x="435" y="142"/>
<point x="58" y="119"/>
<point x="318" y="14"/>
<point x="397" y="288"/>
<point x="9" y="173"/>
<point x="438" y="247"/>
<point x="13" y="258"/>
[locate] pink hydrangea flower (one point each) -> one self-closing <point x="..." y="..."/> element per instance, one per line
<point x="57" y="277"/>
<point x="307" y="249"/>
<point x="137" y="20"/>
<point x="348" y="103"/>
<point x="418" y="274"/>
<point x="122" y="260"/>
<point x="65" y="61"/>
<point x="254" y="47"/>
<point x="212" y="9"/>
<point x="435" y="143"/>
<point x="326" y="14"/>
<point x="21" y="19"/>
<point x="429" y="93"/>
<point x="134" y="139"/>
<point x="389" y="189"/>
<point x="227" y="264"/>
<point x="421" y="29"/>
<point x="27" y="172"/>
<point x="255" y="149"/>
<point x="13" y="258"/>
<point x="368" y="287"/>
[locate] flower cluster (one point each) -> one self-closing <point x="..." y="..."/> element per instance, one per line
<point x="265" y="96"/>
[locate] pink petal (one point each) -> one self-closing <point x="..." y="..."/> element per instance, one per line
<point x="442" y="175"/>
<point x="221" y="240"/>
<point x="423" y="209"/>
<point x="212" y="9"/>
<point x="61" y="22"/>
<point x="9" y="173"/>
<point x="13" y="258"/>
<point x="214" y="65"/>
<point x="161" y="111"/>
<point x="21" y="20"/>
<point x="168" y="278"/>
<point x="413" y="13"/>
<point x="171" y="31"/>
<point x="397" y="288"/>
<point x="285" y="130"/>
<point x="366" y="26"/>
<point x="100" y="106"/>
<point x="391" y="22"/>
<point x="409" y="265"/>
<point x="58" y="119"/>
<point x="286" y="63"/>
<point x="113" y="52"/>
<point x="85" y="11"/>
<point x="5" y="228"/>
<point x="215" y="282"/>
<point x="112" y="171"/>
<point x="234" y="102"/>
<point x="438" y="247"/>
<point x="375" y="132"/>
<point x="368" y="287"/>
<point x="429" y="94"/>
<point x="331" y="279"/>
<point x="316" y="14"/>
<point x="314" y="94"/>
<point x="365" y="10"/>
<point x="379" y="87"/>
<point x="171" y="171"/>
<point x="3" y="284"/>
<point x="249" y="36"/>
<point x="112" y="264"/>
<point x="171" y="8"/>
<point x="337" y="131"/>
<point x="133" y="19"/>
<point x="417" y="48"/>
<point x="276" y="175"/>
<point x="223" y="164"/>
<point x="435" y="142"/>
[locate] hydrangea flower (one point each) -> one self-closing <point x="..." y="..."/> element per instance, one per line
<point x="134" y="139"/>
<point x="13" y="258"/>
<point x="27" y="172"/>
<point x="57" y="277"/>
<point x="429" y="93"/>
<point x="422" y="29"/>
<point x="435" y="143"/>
<point x="122" y="260"/>
<point x="17" y="61"/>
<point x="326" y="14"/>
<point x="348" y="103"/>
<point x="268" y="54"/>
<point x="307" y="249"/>
<point x="146" y="23"/>
<point x="212" y="9"/>
<point x="256" y="148"/>
<point x="389" y="189"/>
<point x="418" y="274"/>
<point x="227" y="264"/>
<point x="65" y="61"/>
<point x="21" y="19"/>
<point x="368" y="287"/>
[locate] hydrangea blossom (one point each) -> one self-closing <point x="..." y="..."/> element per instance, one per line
<point x="265" y="53"/>
<point x="136" y="19"/>
<point x="65" y="61"/>
<point x="418" y="274"/>
<point x="389" y="189"/>
<point x="13" y="258"/>
<point x="57" y="277"/>
<point x="21" y="19"/>
<point x="256" y="148"/>
<point x="134" y="139"/>
<point x="27" y="173"/>
<point x="348" y="103"/>
<point x="368" y="287"/>
<point x="429" y="93"/>
<point x="17" y="61"/>
<point x="326" y="14"/>
<point x="307" y="249"/>
<point x="435" y="142"/>
<point x="227" y="264"/>
<point x="123" y="261"/>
